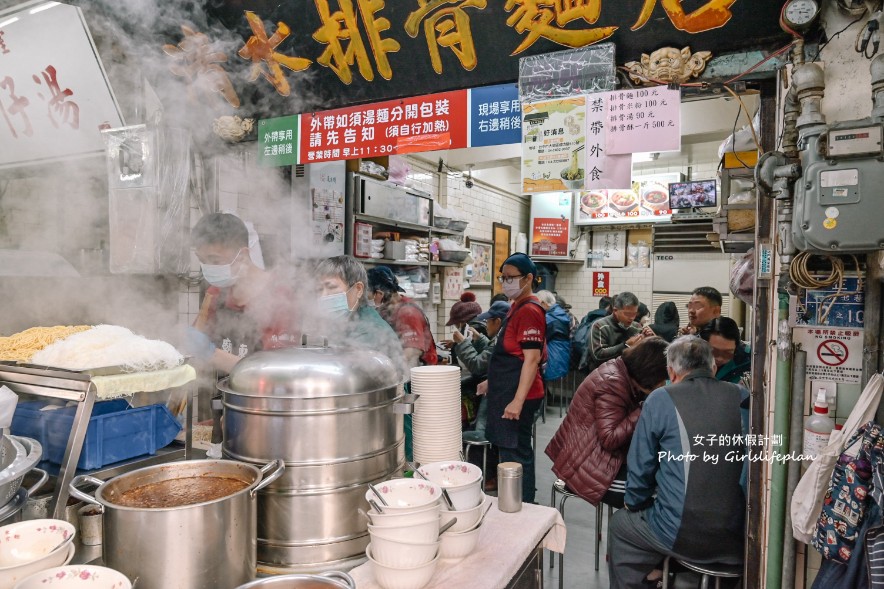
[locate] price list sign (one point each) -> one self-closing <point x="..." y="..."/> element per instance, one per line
<point x="643" y="120"/>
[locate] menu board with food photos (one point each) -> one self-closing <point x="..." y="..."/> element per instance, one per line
<point x="646" y="201"/>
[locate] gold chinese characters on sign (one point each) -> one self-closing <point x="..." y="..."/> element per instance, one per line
<point x="668" y="65"/>
<point x="266" y="61"/>
<point x="194" y="60"/>
<point x="448" y="27"/>
<point x="356" y="35"/>
<point x="342" y="27"/>
<point x="547" y="18"/>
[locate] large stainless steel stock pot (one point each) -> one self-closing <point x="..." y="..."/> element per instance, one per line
<point x="204" y="545"/>
<point x="334" y="415"/>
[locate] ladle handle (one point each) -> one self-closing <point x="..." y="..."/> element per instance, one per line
<point x="378" y="495"/>
<point x="450" y="523"/>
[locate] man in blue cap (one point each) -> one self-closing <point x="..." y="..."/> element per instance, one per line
<point x="515" y="382"/>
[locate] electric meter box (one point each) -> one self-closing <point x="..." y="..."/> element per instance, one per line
<point x="838" y="200"/>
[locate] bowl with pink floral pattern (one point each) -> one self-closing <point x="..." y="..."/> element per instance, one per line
<point x="403" y="495"/>
<point x="462" y="481"/>
<point x="76" y="577"/>
<point x="31" y="540"/>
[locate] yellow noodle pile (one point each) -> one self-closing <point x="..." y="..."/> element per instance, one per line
<point x="22" y="346"/>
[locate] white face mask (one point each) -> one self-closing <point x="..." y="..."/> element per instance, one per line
<point x="220" y="275"/>
<point x="335" y="305"/>
<point x="513" y="289"/>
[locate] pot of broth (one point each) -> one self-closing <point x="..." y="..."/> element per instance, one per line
<point x="184" y="525"/>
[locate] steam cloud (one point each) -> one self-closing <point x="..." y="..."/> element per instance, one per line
<point x="60" y="210"/>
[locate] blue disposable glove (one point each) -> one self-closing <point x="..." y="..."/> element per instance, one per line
<point x="198" y="345"/>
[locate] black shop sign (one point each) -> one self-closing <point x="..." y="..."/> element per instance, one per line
<point x="353" y="51"/>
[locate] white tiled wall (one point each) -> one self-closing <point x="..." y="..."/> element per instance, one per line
<point x="482" y="206"/>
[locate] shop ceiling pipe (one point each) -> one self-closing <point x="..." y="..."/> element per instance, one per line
<point x="794" y="444"/>
<point x="791" y="109"/>
<point x="777" y="510"/>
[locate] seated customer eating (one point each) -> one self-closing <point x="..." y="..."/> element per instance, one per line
<point x="589" y="449"/>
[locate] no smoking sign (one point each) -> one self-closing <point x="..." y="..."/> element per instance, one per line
<point x="832" y="353"/>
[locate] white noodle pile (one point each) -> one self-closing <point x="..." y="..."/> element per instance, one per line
<point x="109" y="345"/>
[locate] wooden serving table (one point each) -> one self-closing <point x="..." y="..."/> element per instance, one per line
<point x="508" y="555"/>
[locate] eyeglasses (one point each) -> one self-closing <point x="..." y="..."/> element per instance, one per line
<point x="509" y="279"/>
<point x="719" y="353"/>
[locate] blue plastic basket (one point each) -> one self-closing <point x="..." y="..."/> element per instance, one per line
<point x="116" y="431"/>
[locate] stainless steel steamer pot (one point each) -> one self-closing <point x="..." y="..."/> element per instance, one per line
<point x="210" y="545"/>
<point x="335" y="416"/>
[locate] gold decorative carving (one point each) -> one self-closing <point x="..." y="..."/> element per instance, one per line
<point x="668" y="65"/>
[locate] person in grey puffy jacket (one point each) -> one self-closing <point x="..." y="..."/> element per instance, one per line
<point x="475" y="353"/>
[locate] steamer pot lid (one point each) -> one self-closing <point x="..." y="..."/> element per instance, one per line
<point x="312" y="372"/>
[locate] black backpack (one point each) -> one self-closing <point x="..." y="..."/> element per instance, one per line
<point x="580" y="338"/>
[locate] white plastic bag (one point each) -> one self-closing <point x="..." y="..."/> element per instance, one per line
<point x="807" y="500"/>
<point x="8" y="401"/>
<point x="632" y="255"/>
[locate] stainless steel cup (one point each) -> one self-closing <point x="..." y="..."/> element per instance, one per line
<point x="509" y="487"/>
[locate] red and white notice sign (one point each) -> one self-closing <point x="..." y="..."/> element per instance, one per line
<point x="54" y="96"/>
<point x="833" y="353"/>
<point x="422" y="123"/>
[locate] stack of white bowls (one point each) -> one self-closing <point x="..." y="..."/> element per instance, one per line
<point x="33" y="546"/>
<point x="436" y="424"/>
<point x="463" y="483"/>
<point x="404" y="548"/>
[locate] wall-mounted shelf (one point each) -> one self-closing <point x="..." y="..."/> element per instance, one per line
<point x="440" y="231"/>
<point x="391" y="223"/>
<point x="385" y="262"/>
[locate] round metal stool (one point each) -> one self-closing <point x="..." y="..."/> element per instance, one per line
<point x="707" y="571"/>
<point x="474" y="438"/>
<point x="560" y="488"/>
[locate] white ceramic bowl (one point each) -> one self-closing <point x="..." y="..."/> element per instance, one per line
<point x="466" y="518"/>
<point x="404" y="495"/>
<point x="401" y="578"/>
<point x="28" y="541"/>
<point x="427" y="531"/>
<point x="9" y="576"/>
<point x="403" y="555"/>
<point x="392" y="519"/>
<point x="462" y="480"/>
<point x="458" y="545"/>
<point x="77" y="577"/>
